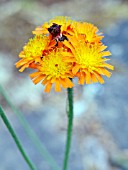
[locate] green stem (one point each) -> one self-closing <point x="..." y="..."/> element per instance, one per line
<point x="69" y="130"/>
<point x="17" y="141"/>
<point x="39" y="146"/>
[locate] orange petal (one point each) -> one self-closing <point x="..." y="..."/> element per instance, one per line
<point x="75" y="69"/>
<point x="69" y="82"/>
<point x="33" y="65"/>
<point x="104" y="72"/>
<point x="98" y="76"/>
<point x="60" y="44"/>
<point x="38" y="31"/>
<point x="20" y="63"/>
<point x="38" y="79"/>
<point x="108" y="66"/>
<point x="69" y="45"/>
<point x="67" y="54"/>
<point x="105" y="53"/>
<point x="88" y="78"/>
<point x="22" y="55"/>
<point x="103" y="47"/>
<point x="97" y="39"/>
<point x="45" y="81"/>
<point x="48" y="87"/>
<point x="22" y="68"/>
<point x="63" y="83"/>
<point x="82" y="79"/>
<point x="53" y="79"/>
<point x="57" y="86"/>
<point x="94" y="79"/>
<point x="35" y="74"/>
<point x="52" y="43"/>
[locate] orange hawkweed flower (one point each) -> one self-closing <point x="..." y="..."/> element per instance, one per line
<point x="63" y="49"/>
<point x="54" y="70"/>
<point x="33" y="51"/>
<point x="89" y="61"/>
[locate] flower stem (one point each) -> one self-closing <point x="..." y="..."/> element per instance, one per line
<point x="17" y="141"/>
<point x="69" y="130"/>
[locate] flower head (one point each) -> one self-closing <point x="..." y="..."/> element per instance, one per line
<point x="33" y="51"/>
<point x="54" y="70"/>
<point x="89" y="61"/>
<point x="63" y="49"/>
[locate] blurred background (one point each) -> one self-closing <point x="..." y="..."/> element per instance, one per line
<point x="100" y="132"/>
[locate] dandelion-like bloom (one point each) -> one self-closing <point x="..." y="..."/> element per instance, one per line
<point x="89" y="61"/>
<point x="63" y="49"/>
<point x="54" y="70"/>
<point x="33" y="51"/>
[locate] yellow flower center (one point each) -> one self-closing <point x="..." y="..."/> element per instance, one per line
<point x="54" y="66"/>
<point x="88" y="56"/>
<point x="35" y="46"/>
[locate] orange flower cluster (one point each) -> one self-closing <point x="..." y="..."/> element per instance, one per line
<point x="63" y="49"/>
